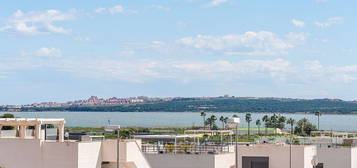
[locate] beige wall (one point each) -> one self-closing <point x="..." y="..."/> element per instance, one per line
<point x="16" y="153"/>
<point x="109" y="148"/>
<point x="191" y="160"/>
<point x="180" y="161"/>
<point x="342" y="157"/>
<point x="59" y="155"/>
<point x="31" y="153"/>
<point x="279" y="155"/>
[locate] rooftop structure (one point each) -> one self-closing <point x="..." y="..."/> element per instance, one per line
<point x="20" y="125"/>
<point x="250" y="156"/>
<point x="166" y="137"/>
<point x="29" y="147"/>
<point x="212" y="132"/>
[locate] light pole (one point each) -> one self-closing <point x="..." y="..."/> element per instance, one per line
<point x="118" y="144"/>
<point x="233" y="123"/>
<point x="115" y="128"/>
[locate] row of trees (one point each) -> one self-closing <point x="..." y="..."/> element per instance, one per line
<point x="302" y="126"/>
<point x="211" y="121"/>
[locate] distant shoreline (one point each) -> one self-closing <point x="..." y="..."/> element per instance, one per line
<point x="297" y="113"/>
<point x="229" y="105"/>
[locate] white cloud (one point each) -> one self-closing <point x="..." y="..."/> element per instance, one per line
<point x="49" y="52"/>
<point x="298" y="23"/>
<point x="37" y="22"/>
<point x="217" y="2"/>
<point x="330" y="21"/>
<point x="321" y="1"/>
<point x="269" y="70"/>
<point x="43" y="52"/>
<point x="249" y="43"/>
<point x="113" y="10"/>
<point x="160" y="7"/>
<point x="296" y="38"/>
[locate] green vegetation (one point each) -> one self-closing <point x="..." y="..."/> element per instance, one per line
<point x="7" y="115"/>
<point x="304" y="127"/>
<point x="248" y="119"/>
<point x="232" y="104"/>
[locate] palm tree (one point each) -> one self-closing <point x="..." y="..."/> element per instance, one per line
<point x="258" y="123"/>
<point x="225" y="121"/>
<point x="318" y="114"/>
<point x="235" y="116"/>
<point x="274" y="120"/>
<point x="203" y="114"/>
<point x="291" y="122"/>
<point x="222" y="120"/>
<point x="211" y="121"/>
<point x="281" y="122"/>
<point x="265" y="119"/>
<point x="248" y="119"/>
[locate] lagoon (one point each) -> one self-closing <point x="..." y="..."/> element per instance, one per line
<point x="179" y="119"/>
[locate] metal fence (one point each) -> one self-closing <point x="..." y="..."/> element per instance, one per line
<point x="186" y="149"/>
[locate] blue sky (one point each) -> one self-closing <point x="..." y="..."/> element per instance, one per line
<point x="65" y="50"/>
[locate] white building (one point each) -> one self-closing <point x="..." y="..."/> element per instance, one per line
<point x="30" y="147"/>
<point x="253" y="156"/>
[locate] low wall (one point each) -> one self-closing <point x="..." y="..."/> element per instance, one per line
<point x="279" y="155"/>
<point x="341" y="157"/>
<point x="19" y="153"/>
<point x="191" y="160"/>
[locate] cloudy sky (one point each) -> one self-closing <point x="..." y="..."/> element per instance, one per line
<point x="65" y="50"/>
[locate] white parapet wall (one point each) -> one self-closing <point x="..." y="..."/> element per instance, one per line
<point x="340" y="157"/>
<point x="190" y="160"/>
<point x="129" y="153"/>
<point x="279" y="155"/>
<point x="35" y="153"/>
<point x="18" y="153"/>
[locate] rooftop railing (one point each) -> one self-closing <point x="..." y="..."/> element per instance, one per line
<point x="186" y="149"/>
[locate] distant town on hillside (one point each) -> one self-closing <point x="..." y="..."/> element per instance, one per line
<point x="224" y="103"/>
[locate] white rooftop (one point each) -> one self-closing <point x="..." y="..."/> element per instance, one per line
<point x="30" y="121"/>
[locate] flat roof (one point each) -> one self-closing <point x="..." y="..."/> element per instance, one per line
<point x="30" y="121"/>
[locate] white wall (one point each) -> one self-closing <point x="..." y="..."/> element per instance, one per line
<point x="90" y="155"/>
<point x="181" y="160"/>
<point x="354" y="157"/>
<point x="19" y="153"/>
<point x="31" y="153"/>
<point x="59" y="155"/>
<point x="342" y="157"/>
<point x="129" y="152"/>
<point x="279" y="155"/>
<point x="109" y="148"/>
<point x="225" y="160"/>
<point x="133" y="153"/>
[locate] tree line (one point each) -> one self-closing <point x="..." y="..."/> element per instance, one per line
<point x="301" y="127"/>
<point x="270" y="105"/>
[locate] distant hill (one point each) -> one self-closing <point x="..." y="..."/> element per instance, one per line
<point x="221" y="104"/>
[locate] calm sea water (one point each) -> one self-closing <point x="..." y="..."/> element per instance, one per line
<point x="155" y="119"/>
